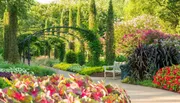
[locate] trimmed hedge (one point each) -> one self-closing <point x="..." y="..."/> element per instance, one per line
<point x="91" y="70"/>
<point x="62" y="66"/>
<point x="76" y="68"/>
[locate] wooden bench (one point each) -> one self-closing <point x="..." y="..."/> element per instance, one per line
<point x="113" y="68"/>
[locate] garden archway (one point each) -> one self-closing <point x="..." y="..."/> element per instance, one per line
<point x="88" y="35"/>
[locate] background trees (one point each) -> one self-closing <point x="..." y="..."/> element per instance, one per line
<point x="88" y="14"/>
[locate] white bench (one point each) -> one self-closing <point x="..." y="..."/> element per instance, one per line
<point x="114" y="68"/>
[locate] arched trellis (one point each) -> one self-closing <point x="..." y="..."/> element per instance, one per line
<point x="88" y="35"/>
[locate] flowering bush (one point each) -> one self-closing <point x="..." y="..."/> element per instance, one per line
<point x="130" y="41"/>
<point x="130" y="27"/>
<point x="168" y="78"/>
<point x="57" y="89"/>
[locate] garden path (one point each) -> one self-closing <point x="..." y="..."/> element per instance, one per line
<point x="138" y="94"/>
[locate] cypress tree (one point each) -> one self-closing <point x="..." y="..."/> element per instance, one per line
<point x="110" y="47"/>
<point x="62" y="21"/>
<point x="78" y="19"/>
<point x="71" y="45"/>
<point x="78" y="23"/>
<point x="6" y="33"/>
<point x="92" y="15"/>
<point x="70" y="18"/>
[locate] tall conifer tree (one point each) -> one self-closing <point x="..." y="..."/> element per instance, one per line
<point x="110" y="47"/>
<point x="92" y="15"/>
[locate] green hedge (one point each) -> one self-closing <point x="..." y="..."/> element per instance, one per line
<point x="62" y="66"/>
<point x="76" y="68"/>
<point x="91" y="70"/>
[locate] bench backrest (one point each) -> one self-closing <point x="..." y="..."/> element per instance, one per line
<point x="117" y="65"/>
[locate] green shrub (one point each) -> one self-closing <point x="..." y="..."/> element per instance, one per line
<point x="81" y="58"/>
<point x="71" y="57"/>
<point x="121" y="58"/>
<point x="75" y="68"/>
<point x="62" y="66"/>
<point x="4" y="83"/>
<point x="17" y="70"/>
<point x="37" y="70"/>
<point x="1" y="58"/>
<point x="1" y="51"/>
<point x="143" y="22"/>
<point x="129" y="80"/>
<point x="91" y="70"/>
<point x="147" y="83"/>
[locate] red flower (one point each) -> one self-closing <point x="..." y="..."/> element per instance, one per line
<point x="18" y="96"/>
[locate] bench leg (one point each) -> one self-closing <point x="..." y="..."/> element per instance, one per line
<point x="113" y="75"/>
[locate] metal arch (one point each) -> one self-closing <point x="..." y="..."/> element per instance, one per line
<point x="41" y="32"/>
<point x="60" y="37"/>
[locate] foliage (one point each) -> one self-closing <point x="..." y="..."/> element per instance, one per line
<point x="91" y="70"/>
<point x="1" y="51"/>
<point x="121" y="58"/>
<point x="92" y="15"/>
<point x="147" y="59"/>
<point x="62" y="52"/>
<point x="62" y="66"/>
<point x="168" y="11"/>
<point x="71" y="57"/>
<point x="81" y="58"/>
<point x="1" y="58"/>
<point x="37" y="70"/>
<point x="76" y="68"/>
<point x="147" y="83"/>
<point x="110" y="47"/>
<point x="6" y="75"/>
<point x="130" y="41"/>
<point x="168" y="78"/>
<point x="128" y="31"/>
<point x="56" y="88"/>
<point x="17" y="70"/>
<point x="4" y="82"/>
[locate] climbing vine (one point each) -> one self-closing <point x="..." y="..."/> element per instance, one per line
<point x="92" y="39"/>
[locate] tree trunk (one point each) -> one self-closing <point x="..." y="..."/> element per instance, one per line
<point x="13" y="55"/>
<point x="6" y="33"/>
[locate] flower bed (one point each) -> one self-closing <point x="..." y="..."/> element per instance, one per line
<point x="168" y="78"/>
<point x="57" y="89"/>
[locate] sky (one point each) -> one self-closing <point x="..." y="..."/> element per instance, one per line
<point x="44" y="1"/>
